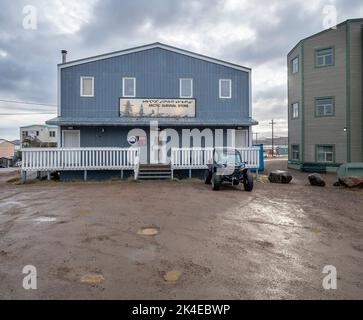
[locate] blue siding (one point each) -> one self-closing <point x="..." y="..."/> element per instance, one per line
<point x="157" y="72"/>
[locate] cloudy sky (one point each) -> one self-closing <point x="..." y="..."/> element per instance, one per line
<point x="257" y="34"/>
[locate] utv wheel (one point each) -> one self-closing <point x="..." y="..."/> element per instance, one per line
<point x="216" y="182"/>
<point x="208" y="177"/>
<point x="248" y="183"/>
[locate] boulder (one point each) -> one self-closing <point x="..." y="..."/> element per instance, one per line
<point x="351" y="182"/>
<point x="315" y="179"/>
<point x="280" y="176"/>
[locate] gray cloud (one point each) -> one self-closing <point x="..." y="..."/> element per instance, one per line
<point x="255" y="34"/>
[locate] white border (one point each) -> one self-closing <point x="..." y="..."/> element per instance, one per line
<point x="123" y="87"/>
<point x="79" y="137"/>
<point x="230" y="88"/>
<point x="81" y="86"/>
<point x="180" y="88"/>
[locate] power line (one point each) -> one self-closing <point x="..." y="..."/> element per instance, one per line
<point x="27" y="102"/>
<point x="26" y="113"/>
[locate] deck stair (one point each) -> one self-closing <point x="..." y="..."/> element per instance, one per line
<point x="154" y="172"/>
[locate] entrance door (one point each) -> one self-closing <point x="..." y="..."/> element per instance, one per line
<point x="241" y="138"/>
<point x="71" y="139"/>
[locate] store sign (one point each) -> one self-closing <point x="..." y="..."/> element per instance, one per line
<point x="157" y="108"/>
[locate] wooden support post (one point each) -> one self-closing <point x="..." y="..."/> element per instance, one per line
<point x="48" y="175"/>
<point x="257" y="176"/>
<point x="190" y="173"/>
<point x="172" y="174"/>
<point x="122" y="174"/>
<point x="85" y="175"/>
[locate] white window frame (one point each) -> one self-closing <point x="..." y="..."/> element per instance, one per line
<point x="325" y="107"/>
<point x="295" y="104"/>
<point x="230" y="89"/>
<point x="81" y="86"/>
<point x="180" y="87"/>
<point x="325" y="153"/>
<point x="324" y="57"/>
<point x="295" y="62"/>
<point x="123" y="87"/>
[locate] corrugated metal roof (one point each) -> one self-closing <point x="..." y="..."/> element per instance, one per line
<point x="151" y="46"/>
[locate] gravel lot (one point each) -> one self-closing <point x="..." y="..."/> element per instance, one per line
<point x="269" y="244"/>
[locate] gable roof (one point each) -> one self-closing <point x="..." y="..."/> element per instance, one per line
<point x="153" y="46"/>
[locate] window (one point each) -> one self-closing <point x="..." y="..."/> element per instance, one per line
<point x="295" y="110"/>
<point x="129" y="87"/>
<point x="186" y="88"/>
<point x="324" y="107"/>
<point x="37" y="133"/>
<point x="25" y="133"/>
<point x="295" y="65"/>
<point x="52" y="134"/>
<point x="324" y="57"/>
<point x="325" y="153"/>
<point x="87" y="86"/>
<point x="225" y="89"/>
<point x="295" y="152"/>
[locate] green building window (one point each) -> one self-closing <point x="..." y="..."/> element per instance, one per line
<point x="295" y="152"/>
<point x="295" y="110"/>
<point x="325" y="153"/>
<point x="295" y="65"/>
<point x="324" y="57"/>
<point x="324" y="107"/>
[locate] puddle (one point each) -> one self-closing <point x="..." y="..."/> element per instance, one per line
<point x="84" y="212"/>
<point x="45" y="219"/>
<point x="172" y="276"/>
<point x="92" y="278"/>
<point x="148" y="231"/>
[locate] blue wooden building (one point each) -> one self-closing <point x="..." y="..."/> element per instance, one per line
<point x="114" y="100"/>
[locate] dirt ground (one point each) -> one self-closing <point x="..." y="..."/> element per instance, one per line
<point x="272" y="243"/>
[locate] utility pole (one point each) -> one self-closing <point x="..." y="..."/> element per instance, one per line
<point x="272" y="123"/>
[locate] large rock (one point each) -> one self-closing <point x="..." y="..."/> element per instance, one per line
<point x="351" y="182"/>
<point x="280" y="176"/>
<point x="315" y="179"/>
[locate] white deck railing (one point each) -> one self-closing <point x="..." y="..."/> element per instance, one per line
<point x="191" y="158"/>
<point x="198" y="158"/>
<point x="52" y="159"/>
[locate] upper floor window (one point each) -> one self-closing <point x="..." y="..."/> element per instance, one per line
<point x="225" y="89"/>
<point x="295" y="65"/>
<point x="87" y="86"/>
<point x="295" y="110"/>
<point x="324" y="107"/>
<point x="325" y="153"/>
<point x="129" y="87"/>
<point x="324" y="57"/>
<point x="186" y="88"/>
<point x="52" y="134"/>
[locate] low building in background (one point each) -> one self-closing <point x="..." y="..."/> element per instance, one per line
<point x="38" y="136"/>
<point x="7" y="153"/>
